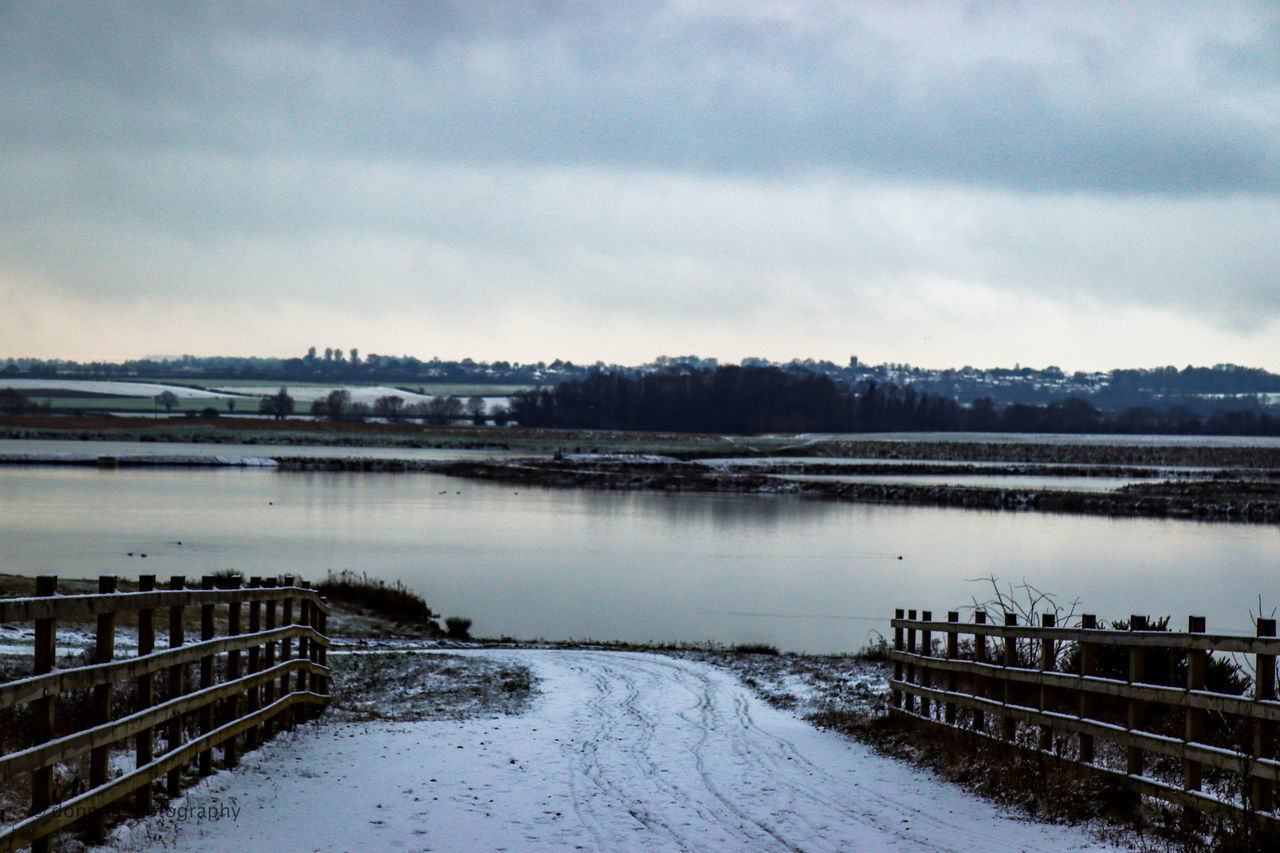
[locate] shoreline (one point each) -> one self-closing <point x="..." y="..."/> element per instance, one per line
<point x="1230" y="500"/>
<point x="1233" y="501"/>
<point x="1231" y="484"/>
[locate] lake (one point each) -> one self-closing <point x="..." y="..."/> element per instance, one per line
<point x="528" y="562"/>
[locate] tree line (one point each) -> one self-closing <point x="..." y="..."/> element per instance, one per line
<point x="1206" y="390"/>
<point x="330" y="365"/>
<point x="769" y="399"/>
<point x="337" y="405"/>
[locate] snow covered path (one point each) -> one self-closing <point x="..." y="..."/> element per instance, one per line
<point x="621" y="752"/>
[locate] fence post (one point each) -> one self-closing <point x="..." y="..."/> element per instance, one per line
<point x="1088" y="667"/>
<point x="1264" y="731"/>
<point x="46" y="649"/>
<point x="953" y="652"/>
<point x="1047" y="620"/>
<point x="1193" y="718"/>
<point x="255" y="664"/>
<point x="144" y="743"/>
<point x="268" y="661"/>
<point x="979" y="656"/>
<point x="104" y="651"/>
<point x="898" y="646"/>
<point x="173" y="782"/>
<point x="1137" y="708"/>
<point x="910" y="699"/>
<point x="322" y="653"/>
<point x="230" y="748"/>
<point x="1010" y="729"/>
<point x="926" y="646"/>
<point x="304" y="652"/>
<point x="286" y="652"/>
<point x="206" y="676"/>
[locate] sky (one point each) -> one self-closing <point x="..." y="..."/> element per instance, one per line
<point x="1089" y="184"/>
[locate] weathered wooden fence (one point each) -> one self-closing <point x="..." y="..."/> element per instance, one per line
<point x="1094" y="698"/>
<point x="252" y="679"/>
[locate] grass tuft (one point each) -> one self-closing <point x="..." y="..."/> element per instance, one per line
<point x="394" y="601"/>
<point x="755" y="649"/>
<point x="458" y="628"/>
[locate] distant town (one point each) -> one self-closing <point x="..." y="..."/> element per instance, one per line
<point x="1201" y="390"/>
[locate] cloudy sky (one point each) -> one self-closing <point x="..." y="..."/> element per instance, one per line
<point x="1090" y="185"/>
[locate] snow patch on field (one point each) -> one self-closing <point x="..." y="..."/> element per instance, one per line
<point x="620" y="457"/>
<point x="367" y="394"/>
<point x="118" y="389"/>
<point x="143" y="459"/>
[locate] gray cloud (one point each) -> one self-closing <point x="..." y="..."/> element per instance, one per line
<point x="1052" y="103"/>
<point x="712" y="171"/>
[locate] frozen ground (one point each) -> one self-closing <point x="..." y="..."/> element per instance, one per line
<point x="122" y="389"/>
<point x="610" y="751"/>
<point x="308" y="393"/>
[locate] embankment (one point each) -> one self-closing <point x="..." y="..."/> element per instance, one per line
<point x="1207" y="500"/>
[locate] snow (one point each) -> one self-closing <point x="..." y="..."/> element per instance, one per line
<point x="71" y="644"/>
<point x="367" y="394"/>
<point x="18" y="643"/>
<point x="620" y="457"/>
<point x="121" y="389"/>
<point x="144" y="459"/>
<point x="617" y="751"/>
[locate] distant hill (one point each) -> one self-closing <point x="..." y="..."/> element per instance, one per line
<point x="1202" y="392"/>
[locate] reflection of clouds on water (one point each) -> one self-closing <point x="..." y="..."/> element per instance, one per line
<point x="800" y="574"/>
<point x="722" y="510"/>
<point x="1012" y="481"/>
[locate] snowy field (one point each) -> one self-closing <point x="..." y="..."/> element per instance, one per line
<point x="120" y="389"/>
<point x="306" y="394"/>
<point x="616" y="751"/>
<point x="301" y="394"/>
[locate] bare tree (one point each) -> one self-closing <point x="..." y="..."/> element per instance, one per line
<point x="443" y="410"/>
<point x="14" y="402"/>
<point x="279" y="405"/>
<point x="390" y="407"/>
<point x="337" y="402"/>
<point x="168" y="399"/>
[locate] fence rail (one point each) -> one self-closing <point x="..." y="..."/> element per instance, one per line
<point x="231" y="691"/>
<point x="1106" y="700"/>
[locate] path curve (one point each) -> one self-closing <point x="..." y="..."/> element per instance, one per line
<point x="621" y="752"/>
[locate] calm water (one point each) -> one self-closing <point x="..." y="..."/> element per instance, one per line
<point x="1050" y="438"/>
<point x="800" y="574"/>
<point x="1006" y="481"/>
<point x="93" y="449"/>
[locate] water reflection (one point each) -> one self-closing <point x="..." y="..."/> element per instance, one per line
<point x="803" y="574"/>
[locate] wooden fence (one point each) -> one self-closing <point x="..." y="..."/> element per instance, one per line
<point x="1152" y="709"/>
<point x="252" y="679"/>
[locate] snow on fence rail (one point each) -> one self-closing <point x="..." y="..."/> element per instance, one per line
<point x="273" y="689"/>
<point x="1106" y="700"/>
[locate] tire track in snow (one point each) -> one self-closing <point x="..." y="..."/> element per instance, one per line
<point x="619" y="761"/>
<point x="716" y="729"/>
<point x="818" y="786"/>
<point x="619" y="752"/>
<point x="676" y="747"/>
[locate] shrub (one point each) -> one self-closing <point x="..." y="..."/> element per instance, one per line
<point x="458" y="627"/>
<point x="875" y="651"/>
<point x="393" y="601"/>
<point x="755" y="649"/>
<point x="227" y="579"/>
